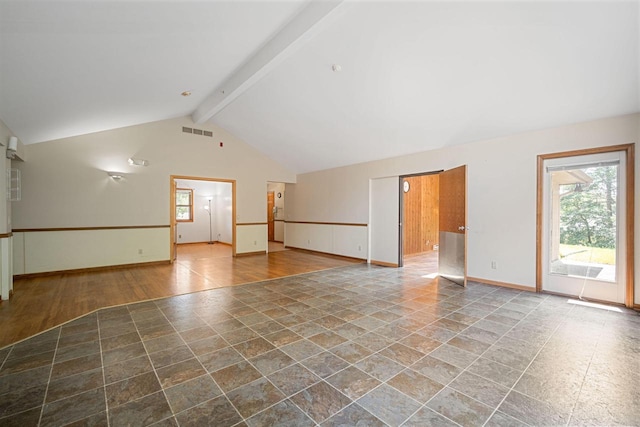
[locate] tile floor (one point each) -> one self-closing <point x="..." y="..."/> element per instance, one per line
<point x="356" y="345"/>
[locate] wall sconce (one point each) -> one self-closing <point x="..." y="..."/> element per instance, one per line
<point x="12" y="147"/>
<point x="138" y="162"/>
<point x="117" y="176"/>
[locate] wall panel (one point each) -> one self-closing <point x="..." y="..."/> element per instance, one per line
<point x="339" y="239"/>
<point x="44" y="251"/>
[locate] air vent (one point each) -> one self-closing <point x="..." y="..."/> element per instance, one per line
<point x="197" y="131"/>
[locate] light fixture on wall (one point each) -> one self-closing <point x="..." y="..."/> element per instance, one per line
<point x="138" y="162"/>
<point x="116" y="176"/>
<point x="12" y="147"/>
<point x="207" y="207"/>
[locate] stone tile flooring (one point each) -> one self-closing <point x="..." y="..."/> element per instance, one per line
<point x="356" y="345"/>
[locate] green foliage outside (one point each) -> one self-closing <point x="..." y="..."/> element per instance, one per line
<point x="588" y="211"/>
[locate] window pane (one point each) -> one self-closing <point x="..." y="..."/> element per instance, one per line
<point x="183" y="213"/>
<point x="183" y="197"/>
<point x="584" y="230"/>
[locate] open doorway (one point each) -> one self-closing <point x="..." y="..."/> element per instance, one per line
<point x="420" y="216"/>
<point x="433" y="223"/>
<point x="275" y="216"/>
<point x="202" y="217"/>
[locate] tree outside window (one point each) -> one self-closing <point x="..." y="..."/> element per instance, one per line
<point x="184" y="205"/>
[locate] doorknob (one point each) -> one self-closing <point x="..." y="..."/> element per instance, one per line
<point x="461" y="228"/>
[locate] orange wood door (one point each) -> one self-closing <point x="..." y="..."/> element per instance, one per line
<point x="453" y="200"/>
<point x="270" y="223"/>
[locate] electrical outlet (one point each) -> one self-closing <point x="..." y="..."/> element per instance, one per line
<point x="359" y="248"/>
<point x="255" y="243"/>
<point x="179" y="236"/>
<point x="139" y="251"/>
<point x="494" y="265"/>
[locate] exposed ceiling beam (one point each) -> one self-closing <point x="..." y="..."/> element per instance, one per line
<point x="310" y="21"/>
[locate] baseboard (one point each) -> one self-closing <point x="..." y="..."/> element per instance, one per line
<point x="90" y="269"/>
<point x="311" y="251"/>
<point x="203" y="243"/>
<point x="251" y="253"/>
<point x="384" y="264"/>
<point x="503" y="284"/>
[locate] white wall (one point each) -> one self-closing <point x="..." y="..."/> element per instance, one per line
<point x="65" y="182"/>
<point x="384" y="217"/>
<point x="37" y="252"/>
<point x="345" y="240"/>
<point x="6" y="241"/>
<point x="251" y="238"/>
<point x="501" y="192"/>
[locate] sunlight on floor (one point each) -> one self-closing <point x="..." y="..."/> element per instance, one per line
<point x="594" y="305"/>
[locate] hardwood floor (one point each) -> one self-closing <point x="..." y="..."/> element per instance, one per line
<point x="41" y="303"/>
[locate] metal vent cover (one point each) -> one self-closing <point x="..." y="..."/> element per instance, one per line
<point x="197" y="131"/>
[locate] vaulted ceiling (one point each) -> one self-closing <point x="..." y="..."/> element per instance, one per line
<point x="318" y="84"/>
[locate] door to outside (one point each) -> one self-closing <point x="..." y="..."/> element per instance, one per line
<point x="583" y="236"/>
<point x="452" y="225"/>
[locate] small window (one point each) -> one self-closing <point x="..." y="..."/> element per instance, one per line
<point x="184" y="205"/>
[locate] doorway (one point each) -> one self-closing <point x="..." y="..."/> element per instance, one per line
<point x="202" y="211"/>
<point x="390" y="226"/>
<point x="275" y="213"/>
<point x="584" y="227"/>
<point x="420" y="216"/>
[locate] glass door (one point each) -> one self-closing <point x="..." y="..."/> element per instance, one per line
<point x="584" y="226"/>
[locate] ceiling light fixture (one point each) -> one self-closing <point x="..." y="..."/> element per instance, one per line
<point x="115" y="175"/>
<point x="12" y="147"/>
<point x="138" y="162"/>
<point x="186" y="93"/>
<point x="336" y="68"/>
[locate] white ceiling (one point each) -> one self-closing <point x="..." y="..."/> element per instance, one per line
<point x="415" y="75"/>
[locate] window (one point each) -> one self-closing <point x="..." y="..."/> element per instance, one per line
<point x="184" y="205"/>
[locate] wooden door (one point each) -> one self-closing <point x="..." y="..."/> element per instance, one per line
<point x="270" y="223"/>
<point x="452" y="224"/>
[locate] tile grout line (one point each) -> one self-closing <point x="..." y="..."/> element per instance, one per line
<point x="424" y="405"/>
<point x="153" y="368"/>
<point x="525" y="370"/>
<point x="44" y="398"/>
<point x="104" y="376"/>
<point x="584" y="379"/>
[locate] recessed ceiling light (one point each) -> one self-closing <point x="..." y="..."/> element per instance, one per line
<point x="186" y="93"/>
